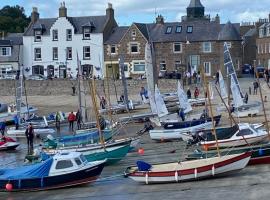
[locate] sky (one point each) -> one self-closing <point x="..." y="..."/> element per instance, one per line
<point x="128" y="11"/>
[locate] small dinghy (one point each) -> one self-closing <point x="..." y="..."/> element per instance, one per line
<point x="7" y="143"/>
<point x="187" y="170"/>
<point x="59" y="171"/>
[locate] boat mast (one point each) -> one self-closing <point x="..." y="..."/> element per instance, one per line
<point x="19" y="90"/>
<point x="124" y="82"/>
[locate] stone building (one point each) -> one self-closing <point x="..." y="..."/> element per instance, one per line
<point x="194" y="44"/>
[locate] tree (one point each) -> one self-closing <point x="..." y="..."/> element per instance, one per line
<point x="13" y="19"/>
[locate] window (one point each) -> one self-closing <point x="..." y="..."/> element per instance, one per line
<point x="69" y="34"/>
<point x="169" y="30"/>
<point x="63" y="164"/>
<point x="55" y="35"/>
<point x="244" y="132"/>
<point x="69" y="53"/>
<point x="86" y="53"/>
<point x="55" y="53"/>
<point x="262" y="48"/>
<point x="177" y="65"/>
<point x="37" y="53"/>
<point x="268" y="31"/>
<point x="86" y="33"/>
<point x="189" y="29"/>
<point x="207" y="47"/>
<point x="268" y="64"/>
<point x="162" y="65"/>
<point x="113" y="49"/>
<point x="83" y="158"/>
<point x="139" y="66"/>
<point x="177" y="47"/>
<point x="78" y="161"/>
<point x="37" y="35"/>
<point x="134" y="48"/>
<point x="265" y="48"/>
<point x="5" y="51"/>
<point x="178" y="29"/>
<point x="38" y="70"/>
<point x="261" y="32"/>
<point x="207" y="68"/>
<point x="133" y="33"/>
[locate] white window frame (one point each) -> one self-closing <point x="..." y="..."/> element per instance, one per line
<point x="69" y="35"/>
<point x="176" y="44"/>
<point x="69" y="53"/>
<point x="55" y="35"/>
<point x="5" y="51"/>
<point x="37" y="35"/>
<point x="37" y="58"/>
<point x="134" y="44"/>
<point x="178" y="29"/>
<point x="86" y="33"/>
<point x="162" y="63"/>
<point x="177" y="63"/>
<point x="189" y="29"/>
<point x="268" y="47"/>
<point x="133" y="33"/>
<point x="55" y="53"/>
<point x="85" y="52"/>
<point x="268" y="31"/>
<point x="265" y="48"/>
<point x="207" y="49"/>
<point x="111" y="47"/>
<point x="138" y="62"/>
<point x="169" y="30"/>
<point x="207" y="64"/>
<point x="261" y="32"/>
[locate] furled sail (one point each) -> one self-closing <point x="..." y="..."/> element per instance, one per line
<point x="237" y="99"/>
<point x="222" y="86"/>
<point x="183" y="100"/>
<point x="160" y="104"/>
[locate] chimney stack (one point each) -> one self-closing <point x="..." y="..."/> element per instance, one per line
<point x="159" y="19"/>
<point x="217" y="19"/>
<point x="110" y="11"/>
<point x="34" y="15"/>
<point x="62" y="10"/>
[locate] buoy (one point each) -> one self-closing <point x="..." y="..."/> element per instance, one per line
<point x="141" y="151"/>
<point x="9" y="187"/>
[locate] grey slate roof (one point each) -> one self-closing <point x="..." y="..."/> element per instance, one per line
<point x="195" y="4"/>
<point x="229" y="32"/>
<point x="15" y="38"/>
<point x="77" y="22"/>
<point x="15" y="41"/>
<point x="251" y="33"/>
<point x="143" y="29"/>
<point x="117" y="34"/>
<point x="5" y="43"/>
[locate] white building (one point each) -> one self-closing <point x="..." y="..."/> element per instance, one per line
<point x="51" y="45"/>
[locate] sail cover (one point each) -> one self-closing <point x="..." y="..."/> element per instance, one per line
<point x="160" y="104"/>
<point x="222" y="86"/>
<point x="153" y="105"/>
<point x="230" y="67"/>
<point x="237" y="99"/>
<point x="149" y="69"/>
<point x="183" y="100"/>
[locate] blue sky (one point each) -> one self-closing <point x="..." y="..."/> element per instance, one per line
<point x="128" y="11"/>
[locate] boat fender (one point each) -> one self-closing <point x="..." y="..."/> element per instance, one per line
<point x="195" y="173"/>
<point x="9" y="186"/>
<point x="213" y="170"/>
<point x="176" y="176"/>
<point x="146" y="178"/>
<point x="261" y="152"/>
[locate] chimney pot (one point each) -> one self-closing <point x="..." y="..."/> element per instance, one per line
<point x="34" y="15"/>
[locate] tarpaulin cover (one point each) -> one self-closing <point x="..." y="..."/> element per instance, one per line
<point x="30" y="171"/>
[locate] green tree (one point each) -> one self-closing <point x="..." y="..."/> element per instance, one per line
<point x="13" y="19"/>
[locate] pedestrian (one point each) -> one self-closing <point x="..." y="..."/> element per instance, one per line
<point x="249" y="90"/>
<point x="79" y="119"/>
<point x="255" y="87"/>
<point x="73" y="90"/>
<point x="217" y="77"/>
<point x="71" y="119"/>
<point x="29" y="133"/>
<point x="189" y="77"/>
<point x="246" y="98"/>
<point x="16" y="122"/>
<point x="103" y="103"/>
<point x="182" y="114"/>
<point x="57" y="120"/>
<point x="3" y="128"/>
<point x="188" y="94"/>
<point x="102" y="122"/>
<point x="143" y="93"/>
<point x="196" y="93"/>
<point x="122" y="98"/>
<point x="195" y="77"/>
<point x="199" y="77"/>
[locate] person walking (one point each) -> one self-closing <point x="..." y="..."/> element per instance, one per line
<point x="3" y="128"/>
<point x="79" y="119"/>
<point x="255" y="87"/>
<point x="29" y="133"/>
<point x="143" y="93"/>
<point x="196" y="93"/>
<point x="188" y="94"/>
<point x="16" y="122"/>
<point x="57" y="120"/>
<point x="217" y="77"/>
<point x="71" y="119"/>
<point x="103" y="103"/>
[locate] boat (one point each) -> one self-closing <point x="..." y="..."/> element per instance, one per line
<point x="7" y="143"/>
<point x="187" y="170"/>
<point x="176" y="134"/>
<point x="260" y="154"/>
<point x="111" y="151"/>
<point x="20" y="133"/>
<point x="59" y="171"/>
<point x="247" y="134"/>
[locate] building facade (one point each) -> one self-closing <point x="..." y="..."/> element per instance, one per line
<point x="11" y="57"/>
<point x="52" y="45"/>
<point x="194" y="44"/>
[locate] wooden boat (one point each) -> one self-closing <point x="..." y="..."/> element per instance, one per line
<point x="111" y="151"/>
<point x="260" y="154"/>
<point x="190" y="123"/>
<point x="176" y="134"/>
<point x="62" y="170"/>
<point x="246" y="135"/>
<point x="187" y="170"/>
<point x="7" y="143"/>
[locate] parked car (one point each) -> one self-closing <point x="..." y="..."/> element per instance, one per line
<point x="260" y="70"/>
<point x="36" y="77"/>
<point x="246" y="69"/>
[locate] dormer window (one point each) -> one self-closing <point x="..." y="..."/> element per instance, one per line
<point x="178" y="29"/>
<point x="86" y="33"/>
<point x="189" y="29"/>
<point x="133" y="33"/>
<point x="169" y="30"/>
<point x="38" y="34"/>
<point x="55" y="35"/>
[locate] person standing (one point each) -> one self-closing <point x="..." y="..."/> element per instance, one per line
<point x="29" y="133"/>
<point x="143" y="93"/>
<point x="188" y="94"/>
<point x="57" y="120"/>
<point x="255" y="87"/>
<point x="3" y="128"/>
<point x="71" y="119"/>
<point x="217" y="77"/>
<point x="103" y="103"/>
<point x="79" y="119"/>
<point x="16" y="122"/>
<point x="196" y="93"/>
